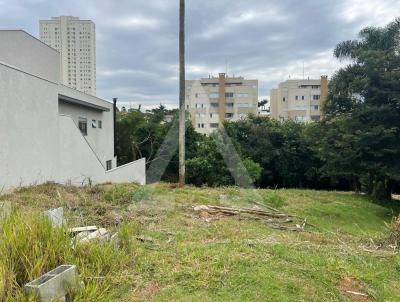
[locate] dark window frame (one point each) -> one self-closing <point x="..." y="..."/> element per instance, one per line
<point x="108" y="165"/>
<point x="82" y="125"/>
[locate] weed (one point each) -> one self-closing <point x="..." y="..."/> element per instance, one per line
<point x="274" y="200"/>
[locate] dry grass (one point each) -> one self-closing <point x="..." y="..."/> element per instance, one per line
<point x="167" y="252"/>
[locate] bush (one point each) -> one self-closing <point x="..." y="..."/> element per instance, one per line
<point x="275" y="200"/>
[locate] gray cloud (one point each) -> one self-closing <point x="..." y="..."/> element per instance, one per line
<point x="137" y="40"/>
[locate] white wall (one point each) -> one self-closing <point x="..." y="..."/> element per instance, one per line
<point x="28" y="128"/>
<point x="78" y="164"/>
<point x="19" y="49"/>
<point x="39" y="145"/>
<point x="100" y="139"/>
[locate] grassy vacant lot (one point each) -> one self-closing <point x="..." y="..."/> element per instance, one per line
<point x="166" y="252"/>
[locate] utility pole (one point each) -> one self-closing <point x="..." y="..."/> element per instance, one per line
<point x="182" y="93"/>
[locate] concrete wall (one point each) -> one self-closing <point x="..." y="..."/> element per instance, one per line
<point x="19" y="49"/>
<point x="89" y="167"/>
<point x="134" y="172"/>
<point x="100" y="139"/>
<point x="28" y="128"/>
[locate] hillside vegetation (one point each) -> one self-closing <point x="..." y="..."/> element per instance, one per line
<point x="168" y="252"/>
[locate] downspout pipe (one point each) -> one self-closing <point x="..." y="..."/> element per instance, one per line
<point x="115" y="124"/>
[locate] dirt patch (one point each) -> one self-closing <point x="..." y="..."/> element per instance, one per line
<point x="353" y="289"/>
<point x="150" y="290"/>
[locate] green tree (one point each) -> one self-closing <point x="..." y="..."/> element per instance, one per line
<point x="281" y="149"/>
<point x="362" y="138"/>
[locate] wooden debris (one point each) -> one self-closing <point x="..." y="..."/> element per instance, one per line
<point x="357" y="294"/>
<point x="213" y="210"/>
<point x="276" y="218"/>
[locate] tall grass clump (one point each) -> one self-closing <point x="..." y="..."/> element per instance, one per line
<point x="274" y="200"/>
<point x="30" y="247"/>
<point x="395" y="233"/>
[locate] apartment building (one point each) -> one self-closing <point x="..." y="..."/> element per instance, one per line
<point x="299" y="100"/>
<point x="211" y="101"/>
<point x="75" y="40"/>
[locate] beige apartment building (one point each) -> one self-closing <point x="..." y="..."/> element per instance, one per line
<point x="299" y="100"/>
<point x="75" y="40"/>
<point x="211" y="101"/>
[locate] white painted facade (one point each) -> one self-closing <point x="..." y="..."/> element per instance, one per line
<point x="211" y="101"/>
<point x="75" y="39"/>
<point x="39" y="134"/>
<point x="299" y="100"/>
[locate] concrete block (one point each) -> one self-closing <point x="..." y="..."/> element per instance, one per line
<point x="56" y="217"/>
<point x="55" y="285"/>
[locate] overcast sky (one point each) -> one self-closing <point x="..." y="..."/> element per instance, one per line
<point x="268" y="40"/>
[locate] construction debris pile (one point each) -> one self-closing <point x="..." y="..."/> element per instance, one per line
<point x="90" y="233"/>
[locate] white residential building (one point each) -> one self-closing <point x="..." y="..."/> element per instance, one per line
<point x="299" y="100"/>
<point x="75" y="39"/>
<point x="211" y="101"/>
<point x="48" y="131"/>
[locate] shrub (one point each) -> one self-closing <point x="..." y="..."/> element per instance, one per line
<point x="275" y="200"/>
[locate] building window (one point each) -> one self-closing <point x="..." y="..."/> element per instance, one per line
<point x="300" y="118"/>
<point x="200" y="125"/>
<point x="229" y="105"/>
<point x="214" y="105"/>
<point x="315" y="108"/>
<point x="297" y="97"/>
<point x="214" y="115"/>
<point x="316" y="97"/>
<point x="303" y="97"/>
<point x="242" y="95"/>
<point x="100" y="124"/>
<point x="228" y="115"/>
<point x="214" y="125"/>
<point x="109" y="165"/>
<point x="229" y="94"/>
<point x="214" y="95"/>
<point x="94" y="124"/>
<point x="82" y="125"/>
<point x="315" y="118"/>
<point x="243" y="105"/>
<point x="284" y="99"/>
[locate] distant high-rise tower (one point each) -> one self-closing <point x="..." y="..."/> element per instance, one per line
<point x="75" y="39"/>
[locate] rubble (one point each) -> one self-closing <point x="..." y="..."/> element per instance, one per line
<point x="56" y="217"/>
<point x="91" y="233"/>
